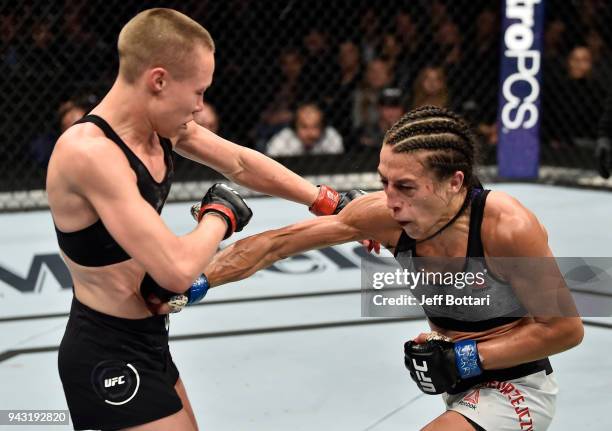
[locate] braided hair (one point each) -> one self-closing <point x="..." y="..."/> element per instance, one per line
<point x="446" y="135"/>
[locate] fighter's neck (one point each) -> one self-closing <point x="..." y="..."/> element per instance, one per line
<point x="127" y="115"/>
<point x="451" y="223"/>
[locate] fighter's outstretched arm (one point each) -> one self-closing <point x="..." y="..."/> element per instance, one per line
<point x="366" y="217"/>
<point x="243" y="165"/>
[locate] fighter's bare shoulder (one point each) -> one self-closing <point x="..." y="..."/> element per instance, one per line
<point x="84" y="154"/>
<point x="511" y="229"/>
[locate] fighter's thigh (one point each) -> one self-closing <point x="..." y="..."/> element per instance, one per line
<point x="182" y="393"/>
<point x="178" y="421"/>
<point x="449" y="420"/>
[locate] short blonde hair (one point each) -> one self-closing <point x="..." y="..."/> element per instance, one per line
<point x="159" y="37"/>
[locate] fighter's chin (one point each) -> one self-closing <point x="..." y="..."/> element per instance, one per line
<point x="410" y="228"/>
<point x="404" y="223"/>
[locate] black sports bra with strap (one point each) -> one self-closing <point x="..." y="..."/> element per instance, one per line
<point x="94" y="245"/>
<point x="505" y="306"/>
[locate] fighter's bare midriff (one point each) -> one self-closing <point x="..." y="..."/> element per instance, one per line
<point x="112" y="289"/>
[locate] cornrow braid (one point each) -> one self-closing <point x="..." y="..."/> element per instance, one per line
<point x="445" y="134"/>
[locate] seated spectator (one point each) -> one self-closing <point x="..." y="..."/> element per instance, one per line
<point x="349" y="76"/>
<point x="430" y="88"/>
<point x="278" y="113"/>
<point x="602" y="58"/>
<point x="316" y="82"/>
<point x="309" y="135"/>
<point x="572" y="105"/>
<point x="410" y="59"/>
<point x="377" y="77"/>
<point x="208" y="118"/>
<point x="68" y="113"/>
<point x="390" y="110"/>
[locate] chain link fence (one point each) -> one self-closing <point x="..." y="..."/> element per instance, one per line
<point x="313" y="83"/>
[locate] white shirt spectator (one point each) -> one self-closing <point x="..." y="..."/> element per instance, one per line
<point x="287" y="143"/>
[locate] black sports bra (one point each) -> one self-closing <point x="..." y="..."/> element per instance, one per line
<point x="94" y="245"/>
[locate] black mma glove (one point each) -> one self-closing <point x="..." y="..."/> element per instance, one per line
<point x="330" y="202"/>
<point x="226" y="201"/>
<point x="346" y="198"/>
<point x="176" y="301"/>
<point x="438" y="365"/>
<point x="603" y="153"/>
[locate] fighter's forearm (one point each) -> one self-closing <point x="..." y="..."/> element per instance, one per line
<point x="242" y="259"/>
<point x="530" y="342"/>
<point x="256" y="252"/>
<point x="265" y="175"/>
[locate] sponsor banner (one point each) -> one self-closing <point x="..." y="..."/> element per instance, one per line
<point x="520" y="89"/>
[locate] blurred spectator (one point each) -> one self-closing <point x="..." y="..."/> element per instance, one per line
<point x="604" y="140"/>
<point x="340" y="112"/>
<point x="569" y="118"/>
<point x="390" y="110"/>
<point x="365" y="108"/>
<point x="410" y="58"/>
<point x="309" y="135"/>
<point x="369" y="26"/>
<point x="446" y="51"/>
<point x="316" y="79"/>
<point x="278" y="114"/>
<point x="602" y="57"/>
<point x="208" y="118"/>
<point x="554" y="43"/>
<point x="476" y="100"/>
<point x="430" y="88"/>
<point x="438" y="13"/>
<point x="79" y="44"/>
<point x="8" y="43"/>
<point x="68" y="112"/>
<point x="448" y="44"/>
<point x="42" y="56"/>
<point x="390" y="50"/>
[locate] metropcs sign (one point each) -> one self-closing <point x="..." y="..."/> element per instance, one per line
<point x="520" y="110"/>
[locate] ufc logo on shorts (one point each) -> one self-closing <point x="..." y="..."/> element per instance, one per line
<point x="424" y="381"/>
<point x="114" y="381"/>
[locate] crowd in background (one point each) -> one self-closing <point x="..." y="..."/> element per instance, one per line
<point x="314" y="77"/>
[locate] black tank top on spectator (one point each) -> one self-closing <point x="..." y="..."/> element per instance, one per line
<point x="94" y="245"/>
<point x="506" y="309"/>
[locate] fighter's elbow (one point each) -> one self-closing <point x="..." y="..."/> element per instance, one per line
<point x="571" y="332"/>
<point x="177" y="277"/>
<point x="576" y="334"/>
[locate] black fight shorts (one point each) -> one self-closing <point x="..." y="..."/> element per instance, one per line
<point x="116" y="372"/>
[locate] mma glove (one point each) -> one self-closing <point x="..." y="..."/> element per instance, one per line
<point x="194" y="294"/>
<point x="177" y="302"/>
<point x="438" y="365"/>
<point x="330" y="202"/>
<point x="224" y="200"/>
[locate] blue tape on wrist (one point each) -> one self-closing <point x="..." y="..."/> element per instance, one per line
<point x="466" y="359"/>
<point x="198" y="290"/>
